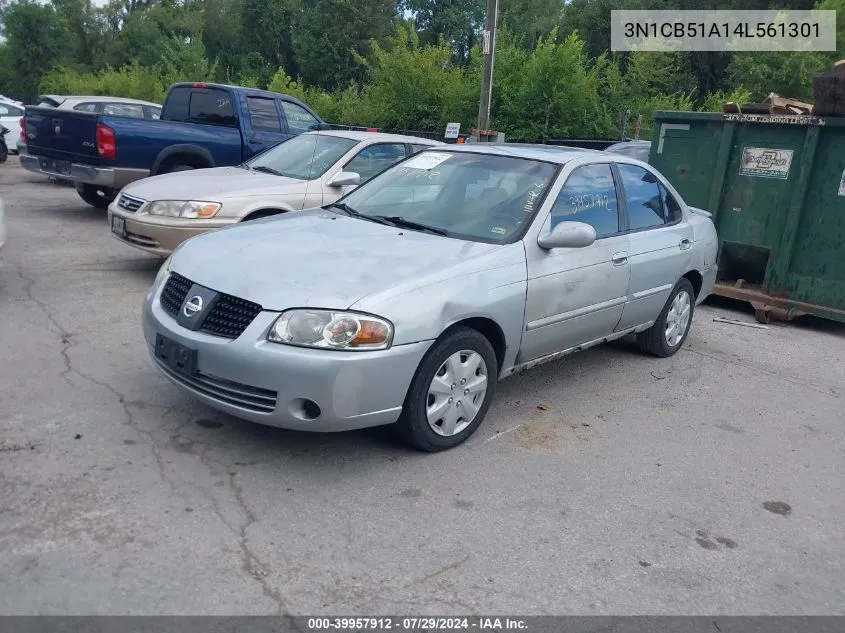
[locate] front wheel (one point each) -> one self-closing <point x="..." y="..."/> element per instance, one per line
<point x="451" y="391"/>
<point x="669" y="332"/>
<point x="100" y="197"/>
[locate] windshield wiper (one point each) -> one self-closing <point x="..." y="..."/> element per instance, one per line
<point x="399" y="221"/>
<point x="356" y="214"/>
<point x="267" y="170"/>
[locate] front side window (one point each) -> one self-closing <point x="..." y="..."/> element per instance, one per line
<point x="155" y="112"/>
<point x="589" y="196"/>
<point x="132" y="110"/>
<point x="263" y="114"/>
<point x="304" y="157"/>
<point x="473" y="196"/>
<point x="299" y="119"/>
<point x="375" y="158"/>
<point x="643" y="197"/>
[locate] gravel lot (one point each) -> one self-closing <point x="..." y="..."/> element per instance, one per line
<point x="607" y="483"/>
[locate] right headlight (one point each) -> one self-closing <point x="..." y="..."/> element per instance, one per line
<point x="184" y="208"/>
<point x="331" y="329"/>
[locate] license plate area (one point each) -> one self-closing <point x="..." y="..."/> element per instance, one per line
<point x="118" y="225"/>
<point x="56" y="166"/>
<point x="177" y="357"/>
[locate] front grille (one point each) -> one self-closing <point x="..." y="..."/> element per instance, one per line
<point x="174" y="293"/>
<point x="230" y="316"/>
<point x="226" y="391"/>
<point x="128" y="203"/>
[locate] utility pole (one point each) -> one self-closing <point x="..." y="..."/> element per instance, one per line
<point x="488" y="48"/>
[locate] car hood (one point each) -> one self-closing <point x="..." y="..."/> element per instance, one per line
<point x="215" y="185"/>
<point x="316" y="258"/>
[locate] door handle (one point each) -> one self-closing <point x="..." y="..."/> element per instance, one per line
<point x="685" y="244"/>
<point x="619" y="259"/>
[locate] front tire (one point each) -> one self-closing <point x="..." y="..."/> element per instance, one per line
<point x="99" y="197"/>
<point x="451" y="391"/>
<point x="669" y="332"/>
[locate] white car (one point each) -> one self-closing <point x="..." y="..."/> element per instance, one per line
<point x="10" y="117"/>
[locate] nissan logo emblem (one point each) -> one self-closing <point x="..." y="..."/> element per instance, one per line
<point x="192" y="306"/>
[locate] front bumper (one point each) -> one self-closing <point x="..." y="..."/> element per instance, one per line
<point x="159" y="235"/>
<point x="267" y="383"/>
<point x="110" y="177"/>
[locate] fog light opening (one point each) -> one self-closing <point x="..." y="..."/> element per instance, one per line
<point x="305" y="409"/>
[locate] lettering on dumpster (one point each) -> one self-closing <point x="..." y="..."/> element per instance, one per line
<point x="787" y="119"/>
<point x="766" y="163"/>
<point x="842" y="184"/>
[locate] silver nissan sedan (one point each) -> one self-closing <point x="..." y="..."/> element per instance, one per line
<point x="408" y="299"/>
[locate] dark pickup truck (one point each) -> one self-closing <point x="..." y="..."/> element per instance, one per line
<point x="201" y="125"/>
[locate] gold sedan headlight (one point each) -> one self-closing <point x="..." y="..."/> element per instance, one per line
<point x="184" y="208"/>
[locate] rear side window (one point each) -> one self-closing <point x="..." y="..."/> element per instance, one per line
<point x="133" y="110"/>
<point x="211" y="106"/>
<point x="589" y="196"/>
<point x="85" y="107"/>
<point x="670" y="205"/>
<point x="643" y="197"/>
<point x="263" y="114"/>
<point x="299" y="119"/>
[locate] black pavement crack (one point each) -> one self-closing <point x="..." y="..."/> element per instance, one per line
<point x="67" y="344"/>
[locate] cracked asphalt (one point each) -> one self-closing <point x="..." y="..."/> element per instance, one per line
<point x="606" y="483"/>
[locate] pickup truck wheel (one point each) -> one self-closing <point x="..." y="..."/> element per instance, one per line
<point x="99" y="197"/>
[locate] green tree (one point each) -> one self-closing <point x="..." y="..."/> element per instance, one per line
<point x="35" y="43"/>
<point x="332" y="35"/>
<point x="528" y="21"/>
<point x="458" y="22"/>
<point x="269" y="26"/>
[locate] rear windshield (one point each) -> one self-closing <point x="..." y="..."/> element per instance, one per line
<point x="212" y="106"/>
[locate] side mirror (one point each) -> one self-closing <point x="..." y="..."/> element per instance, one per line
<point x="568" y="235"/>
<point x="344" y="179"/>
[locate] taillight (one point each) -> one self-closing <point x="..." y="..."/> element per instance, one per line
<point x="106" y="146"/>
<point x="23" y="128"/>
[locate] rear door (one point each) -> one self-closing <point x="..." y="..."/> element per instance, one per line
<point x="266" y="124"/>
<point x="660" y="243"/>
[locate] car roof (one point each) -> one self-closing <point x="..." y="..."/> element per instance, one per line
<point x="549" y="153"/>
<point x="360" y="135"/>
<point x="76" y="99"/>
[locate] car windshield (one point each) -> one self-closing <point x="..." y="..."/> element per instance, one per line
<point x="474" y="196"/>
<point x="305" y="157"/>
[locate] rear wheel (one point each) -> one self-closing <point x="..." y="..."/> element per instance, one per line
<point x="451" y="391"/>
<point x="669" y="332"/>
<point x="100" y="197"/>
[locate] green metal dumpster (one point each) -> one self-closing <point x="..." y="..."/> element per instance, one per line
<point x="775" y="185"/>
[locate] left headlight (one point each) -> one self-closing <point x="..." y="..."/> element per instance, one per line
<point x="329" y="329"/>
<point x="184" y="208"/>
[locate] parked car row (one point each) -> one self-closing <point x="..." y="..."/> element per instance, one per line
<point x="340" y="280"/>
<point x="102" y="147"/>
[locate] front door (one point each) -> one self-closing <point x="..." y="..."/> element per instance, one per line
<point x="576" y="295"/>
<point x="371" y="160"/>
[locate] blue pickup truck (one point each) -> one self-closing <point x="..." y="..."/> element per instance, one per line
<point x="201" y="125"/>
